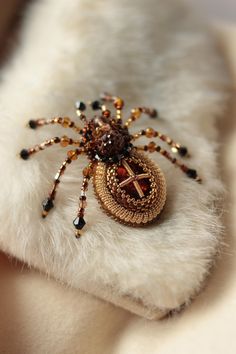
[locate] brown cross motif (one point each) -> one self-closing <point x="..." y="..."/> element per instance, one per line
<point x="133" y="178"/>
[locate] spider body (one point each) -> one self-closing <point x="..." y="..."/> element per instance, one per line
<point x="128" y="185"/>
<point x="106" y="139"/>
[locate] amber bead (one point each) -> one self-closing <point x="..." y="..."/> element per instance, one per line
<point x="72" y="154"/>
<point x="118" y="103"/>
<point x="136" y="113"/>
<point x="106" y="113"/>
<point x="65" y="141"/>
<point x="150" y="132"/>
<point x="87" y="171"/>
<point x="152" y="146"/>
<point x="83" y="204"/>
<point x="66" y="122"/>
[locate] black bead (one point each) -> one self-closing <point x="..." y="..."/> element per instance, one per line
<point x="191" y="173"/>
<point x="79" y="223"/>
<point x="154" y="113"/>
<point x="81" y="106"/>
<point x="57" y="140"/>
<point x="47" y="204"/>
<point x="95" y="105"/>
<point x="24" y="154"/>
<point x="182" y="151"/>
<point x="33" y="124"/>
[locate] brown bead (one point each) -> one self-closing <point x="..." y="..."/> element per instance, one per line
<point x="152" y="146"/>
<point x="85" y="185"/>
<point x="106" y="113"/>
<point x="118" y="103"/>
<point x="87" y="171"/>
<point x="150" y="132"/>
<point x="65" y="141"/>
<point x="83" y="204"/>
<point x="66" y="122"/>
<point x="136" y="113"/>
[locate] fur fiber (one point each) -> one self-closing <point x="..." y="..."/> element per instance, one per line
<point x="150" y="52"/>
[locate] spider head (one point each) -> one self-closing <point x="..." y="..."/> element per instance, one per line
<point x="106" y="139"/>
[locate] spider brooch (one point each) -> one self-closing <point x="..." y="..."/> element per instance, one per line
<point x="128" y="185"/>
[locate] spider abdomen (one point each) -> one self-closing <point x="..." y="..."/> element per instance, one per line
<point x="133" y="190"/>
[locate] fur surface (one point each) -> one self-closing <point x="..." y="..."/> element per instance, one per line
<point x="152" y="53"/>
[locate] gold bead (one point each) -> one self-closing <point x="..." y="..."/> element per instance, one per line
<point x="72" y="155"/>
<point x="150" y="132"/>
<point x="136" y="113"/>
<point x="64" y="141"/>
<point x="118" y="103"/>
<point x="152" y="146"/>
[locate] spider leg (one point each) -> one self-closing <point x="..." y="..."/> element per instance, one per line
<point x="153" y="147"/>
<point x="117" y="102"/>
<point x="138" y="111"/>
<point x="65" y="122"/>
<point x="48" y="202"/>
<point x="79" y="221"/>
<point x="151" y="133"/>
<point x="64" y="141"/>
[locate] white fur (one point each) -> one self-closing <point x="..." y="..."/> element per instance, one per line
<point x="150" y="52"/>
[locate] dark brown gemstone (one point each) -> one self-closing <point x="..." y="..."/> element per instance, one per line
<point x="122" y="175"/>
<point x="57" y="140"/>
<point x="33" y="124"/>
<point x="79" y="223"/>
<point x="80" y="106"/>
<point x="24" y="154"/>
<point x="182" y="150"/>
<point x="95" y="105"/>
<point x="191" y="173"/>
<point x="153" y="113"/>
<point x="47" y="204"/>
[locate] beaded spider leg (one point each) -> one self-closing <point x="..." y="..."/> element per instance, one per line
<point x="65" y="122"/>
<point x="48" y="202"/>
<point x="151" y="133"/>
<point x="79" y="221"/>
<point x="153" y="147"/>
<point x="64" y="141"/>
<point x="138" y="111"/>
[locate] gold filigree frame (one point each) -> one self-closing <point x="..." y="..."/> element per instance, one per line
<point x="118" y="204"/>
